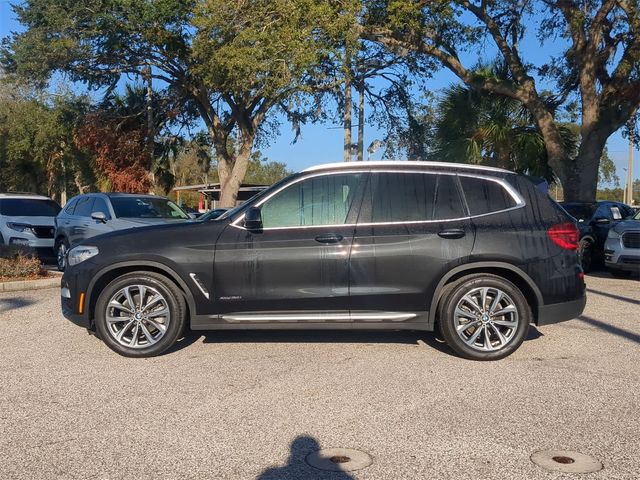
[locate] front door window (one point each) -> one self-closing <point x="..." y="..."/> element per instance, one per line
<point x="323" y="200"/>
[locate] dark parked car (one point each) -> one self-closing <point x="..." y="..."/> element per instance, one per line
<point x="478" y="253"/>
<point x="92" y="214"/>
<point x="594" y="220"/>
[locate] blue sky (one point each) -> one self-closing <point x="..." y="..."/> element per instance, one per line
<point x="321" y="143"/>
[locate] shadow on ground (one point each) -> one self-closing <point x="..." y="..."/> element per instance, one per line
<point x="13" y="303"/>
<point x="296" y="466"/>
<point x="323" y="336"/>
<point x="612" y="329"/>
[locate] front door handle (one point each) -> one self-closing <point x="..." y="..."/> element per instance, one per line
<point x="452" y="233"/>
<point x="329" y="238"/>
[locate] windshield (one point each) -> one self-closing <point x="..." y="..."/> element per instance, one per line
<point x="28" y="207"/>
<point x="636" y="216"/>
<point x="579" y="212"/>
<point x="146" y="207"/>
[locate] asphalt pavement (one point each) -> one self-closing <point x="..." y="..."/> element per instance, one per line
<point x="252" y="405"/>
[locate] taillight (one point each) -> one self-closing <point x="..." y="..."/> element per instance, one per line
<point x="565" y="235"/>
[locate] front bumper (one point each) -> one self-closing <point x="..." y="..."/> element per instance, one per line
<point x="561" y="312"/>
<point x="619" y="257"/>
<point x="73" y="302"/>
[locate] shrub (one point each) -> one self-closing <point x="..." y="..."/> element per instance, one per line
<point x="20" y="265"/>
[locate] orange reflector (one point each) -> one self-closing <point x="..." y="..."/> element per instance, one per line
<point x="81" y="303"/>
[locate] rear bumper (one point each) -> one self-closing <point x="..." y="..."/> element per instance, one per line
<point x="561" y="312"/>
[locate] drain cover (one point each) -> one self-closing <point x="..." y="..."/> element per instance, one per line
<point x="566" y="461"/>
<point x="339" y="459"/>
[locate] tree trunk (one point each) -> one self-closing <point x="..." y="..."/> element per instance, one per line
<point x="151" y="133"/>
<point x="346" y="149"/>
<point x="584" y="183"/>
<point x="361" y="120"/>
<point x="232" y="169"/>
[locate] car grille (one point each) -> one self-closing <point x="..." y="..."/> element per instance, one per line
<point x="43" y="232"/>
<point x="631" y="239"/>
<point x="631" y="260"/>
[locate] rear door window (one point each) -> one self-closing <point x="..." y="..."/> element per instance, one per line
<point x="83" y="207"/>
<point x="485" y="196"/>
<point x="413" y="197"/>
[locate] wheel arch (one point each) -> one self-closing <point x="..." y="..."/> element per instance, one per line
<point x="510" y="272"/>
<point x="107" y="274"/>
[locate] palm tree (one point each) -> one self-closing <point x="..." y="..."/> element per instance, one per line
<point x="488" y="129"/>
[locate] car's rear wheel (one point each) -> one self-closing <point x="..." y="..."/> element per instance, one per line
<point x="140" y="314"/>
<point x="484" y="317"/>
<point x="61" y="248"/>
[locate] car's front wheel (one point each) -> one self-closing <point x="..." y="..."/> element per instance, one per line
<point x="140" y="314"/>
<point x="484" y="317"/>
<point x="61" y="248"/>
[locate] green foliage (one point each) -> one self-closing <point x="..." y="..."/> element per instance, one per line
<point x="263" y="171"/>
<point x="488" y="129"/>
<point x="607" y="173"/>
<point x="37" y="152"/>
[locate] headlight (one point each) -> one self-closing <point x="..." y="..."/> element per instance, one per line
<point x="613" y="234"/>
<point x="20" y="227"/>
<point x="81" y="253"/>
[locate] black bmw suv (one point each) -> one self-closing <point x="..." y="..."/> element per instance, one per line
<point x="477" y="253"/>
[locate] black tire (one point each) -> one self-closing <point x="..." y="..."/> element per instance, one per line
<point x="585" y="252"/>
<point x="454" y="293"/>
<point x="60" y="249"/>
<point x="620" y="273"/>
<point x="175" y="304"/>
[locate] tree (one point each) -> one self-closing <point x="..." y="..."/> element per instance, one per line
<point x="37" y="152"/>
<point x="601" y="63"/>
<point x="489" y="129"/>
<point x="230" y="63"/>
<point x="126" y="142"/>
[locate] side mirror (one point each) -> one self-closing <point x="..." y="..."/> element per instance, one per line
<point x="601" y="221"/>
<point x="100" y="216"/>
<point x="253" y="219"/>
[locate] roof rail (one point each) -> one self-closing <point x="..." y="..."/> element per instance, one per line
<point x="405" y="163"/>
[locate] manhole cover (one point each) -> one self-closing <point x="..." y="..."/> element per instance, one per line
<point x="566" y="461"/>
<point x="339" y="459"/>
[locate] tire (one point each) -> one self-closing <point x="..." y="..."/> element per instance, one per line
<point x="504" y="338"/>
<point x="139" y="333"/>
<point x="620" y="273"/>
<point x="61" y="248"/>
<point x="585" y="252"/>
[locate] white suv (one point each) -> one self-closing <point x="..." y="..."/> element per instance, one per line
<point x="28" y="220"/>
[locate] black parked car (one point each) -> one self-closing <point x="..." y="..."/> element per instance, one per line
<point x="478" y="253"/>
<point x="594" y="220"/>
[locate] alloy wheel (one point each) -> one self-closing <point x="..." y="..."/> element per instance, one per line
<point x="137" y="316"/>
<point x="61" y="256"/>
<point x="486" y="319"/>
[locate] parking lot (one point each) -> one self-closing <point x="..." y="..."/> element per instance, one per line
<point x="253" y="404"/>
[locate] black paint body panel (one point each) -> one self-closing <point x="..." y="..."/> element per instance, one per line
<point x="394" y="268"/>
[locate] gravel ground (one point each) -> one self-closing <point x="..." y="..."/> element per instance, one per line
<point x="246" y="405"/>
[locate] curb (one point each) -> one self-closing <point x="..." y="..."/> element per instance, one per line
<point x="21" y="285"/>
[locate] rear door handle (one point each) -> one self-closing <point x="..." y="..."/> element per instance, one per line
<point x="329" y="238"/>
<point x="452" y="233"/>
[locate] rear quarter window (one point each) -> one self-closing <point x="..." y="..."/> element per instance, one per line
<point x="485" y="196"/>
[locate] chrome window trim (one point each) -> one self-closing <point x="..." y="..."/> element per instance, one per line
<point x="520" y="202"/>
